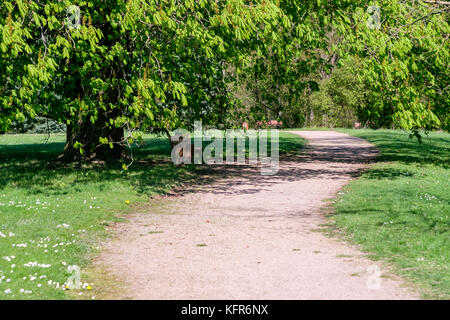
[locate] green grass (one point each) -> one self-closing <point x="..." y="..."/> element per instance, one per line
<point x="56" y="213"/>
<point x="399" y="210"/>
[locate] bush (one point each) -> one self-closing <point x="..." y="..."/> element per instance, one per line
<point x="37" y="125"/>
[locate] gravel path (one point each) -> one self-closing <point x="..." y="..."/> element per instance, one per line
<point x="247" y="236"/>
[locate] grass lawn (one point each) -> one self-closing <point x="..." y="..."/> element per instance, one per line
<point x="399" y="210"/>
<point x="52" y="215"/>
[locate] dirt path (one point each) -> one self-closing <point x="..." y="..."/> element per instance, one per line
<point x="251" y="237"/>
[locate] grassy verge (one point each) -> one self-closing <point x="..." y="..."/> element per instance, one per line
<point x="399" y="211"/>
<point x="52" y="215"/>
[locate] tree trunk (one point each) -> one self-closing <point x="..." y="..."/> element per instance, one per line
<point x="87" y="135"/>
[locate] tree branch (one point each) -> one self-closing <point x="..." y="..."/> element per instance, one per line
<point x="443" y="3"/>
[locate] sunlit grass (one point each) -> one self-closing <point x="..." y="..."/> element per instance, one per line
<point x="399" y="210"/>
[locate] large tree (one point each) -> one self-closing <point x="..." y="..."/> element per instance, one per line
<point x="105" y="67"/>
<point x="118" y="66"/>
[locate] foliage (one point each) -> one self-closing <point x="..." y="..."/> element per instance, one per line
<point x="285" y="68"/>
<point x="139" y="64"/>
<point x="403" y="62"/>
<point x="338" y="100"/>
<point x="155" y="65"/>
<point x="400" y="66"/>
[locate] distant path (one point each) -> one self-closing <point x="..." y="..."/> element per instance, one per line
<point x="249" y="236"/>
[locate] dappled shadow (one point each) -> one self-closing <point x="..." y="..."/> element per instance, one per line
<point x="29" y="152"/>
<point x="388" y="173"/>
<point x="434" y="151"/>
<point x="326" y="158"/>
<point x="33" y="166"/>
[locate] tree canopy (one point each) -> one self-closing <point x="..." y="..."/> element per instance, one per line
<point x="386" y="62"/>
<point x="109" y="67"/>
<point x="404" y="63"/>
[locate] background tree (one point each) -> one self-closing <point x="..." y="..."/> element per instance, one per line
<point x="287" y="68"/>
<point x="339" y="99"/>
<point x="399" y="55"/>
<point x="403" y="61"/>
